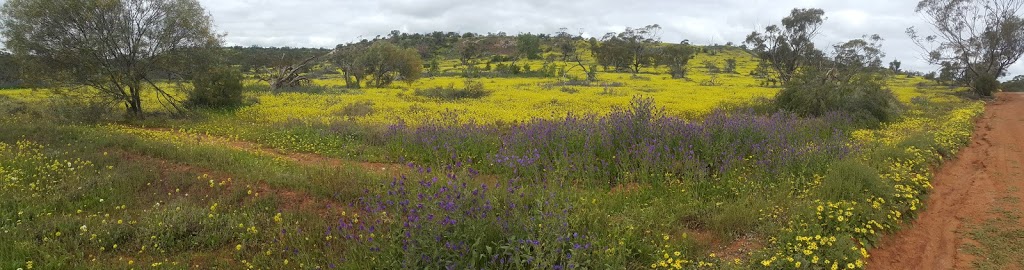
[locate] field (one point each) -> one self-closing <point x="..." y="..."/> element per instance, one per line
<point x="627" y="172"/>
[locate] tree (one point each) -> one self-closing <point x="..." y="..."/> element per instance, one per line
<point x="1014" y="85"/>
<point x="120" y="48"/>
<point x="9" y="70"/>
<point x="528" y="45"/>
<point x="894" y="66"/>
<point x="984" y="37"/>
<point x="572" y="47"/>
<point x="633" y="48"/>
<point x="220" y="87"/>
<point x="387" y="62"/>
<point x="676" y="56"/>
<point x="790" y="47"/>
<point x="852" y="81"/>
<point x="730" y="66"/>
<point x="348" y="58"/>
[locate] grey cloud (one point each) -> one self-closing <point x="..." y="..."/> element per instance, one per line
<point x="325" y="23"/>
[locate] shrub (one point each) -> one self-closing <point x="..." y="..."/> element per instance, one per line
<point x="984" y="85"/>
<point x="79" y="109"/>
<point x="358" y="109"/>
<point x="862" y="96"/>
<point x="221" y="87"/>
<point x="471" y="89"/>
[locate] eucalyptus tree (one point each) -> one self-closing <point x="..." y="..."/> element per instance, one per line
<point x="120" y="48"/>
<point x="982" y="37"/>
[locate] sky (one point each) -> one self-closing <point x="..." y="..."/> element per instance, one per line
<point x="326" y="23"/>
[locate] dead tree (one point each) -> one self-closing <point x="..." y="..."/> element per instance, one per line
<point x="291" y="76"/>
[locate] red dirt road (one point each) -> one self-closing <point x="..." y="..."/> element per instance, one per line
<point x="966" y="188"/>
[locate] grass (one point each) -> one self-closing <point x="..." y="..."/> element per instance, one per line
<point x="999" y="239"/>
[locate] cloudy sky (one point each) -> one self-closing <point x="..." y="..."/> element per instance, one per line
<point x="326" y="23"/>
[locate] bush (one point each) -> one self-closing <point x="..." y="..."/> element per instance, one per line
<point x="358" y="109"/>
<point x="471" y="89"/>
<point x="984" y="85"/>
<point x="79" y="109"/>
<point x="219" y="88"/>
<point x="863" y="96"/>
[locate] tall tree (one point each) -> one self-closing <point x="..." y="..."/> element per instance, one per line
<point x="984" y="37"/>
<point x="785" y="49"/>
<point x="118" y="47"/>
<point x="9" y="70"/>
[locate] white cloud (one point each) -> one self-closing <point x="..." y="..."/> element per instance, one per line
<point x="324" y="23"/>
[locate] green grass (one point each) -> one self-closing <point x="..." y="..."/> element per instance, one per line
<point x="1000" y="239"/>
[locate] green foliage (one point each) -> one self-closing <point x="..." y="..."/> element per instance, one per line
<point x="864" y="97"/>
<point x="788" y="48"/>
<point x="528" y="45"/>
<point x="387" y="62"/>
<point x="852" y="82"/>
<point x="471" y="89"/>
<point x="10" y="70"/>
<point x="979" y="39"/>
<point x="64" y="48"/>
<point x="220" y="87"/>
<point x="984" y="85"/>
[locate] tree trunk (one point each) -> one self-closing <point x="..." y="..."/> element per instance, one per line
<point x="134" y="102"/>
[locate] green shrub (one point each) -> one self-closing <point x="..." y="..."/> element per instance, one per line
<point x="984" y="85"/>
<point x="471" y="89"/>
<point x="863" y="96"/>
<point x="219" y="88"/>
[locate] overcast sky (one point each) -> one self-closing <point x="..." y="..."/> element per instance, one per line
<point x="326" y="23"/>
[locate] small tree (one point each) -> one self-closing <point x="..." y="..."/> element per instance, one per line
<point x="348" y="57"/>
<point x="852" y="81"/>
<point x="894" y="66"/>
<point x="633" y="48"/>
<point x="790" y="47"/>
<point x="675" y="57"/>
<point x="528" y="45"/>
<point x="119" y="48"/>
<point x="730" y="66"/>
<point x="387" y="62"/>
<point x="572" y="48"/>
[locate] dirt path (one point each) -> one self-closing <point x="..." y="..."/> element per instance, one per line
<point x="966" y="194"/>
<point x="309" y="159"/>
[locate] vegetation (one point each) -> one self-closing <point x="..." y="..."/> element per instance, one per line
<point x="976" y="40"/>
<point x="219" y="87"/>
<point x="515" y="152"/>
<point x="120" y="58"/>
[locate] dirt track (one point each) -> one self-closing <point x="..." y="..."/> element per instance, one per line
<point x="965" y="194"/>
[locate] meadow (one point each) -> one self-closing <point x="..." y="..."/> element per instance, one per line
<point x="628" y="172"/>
